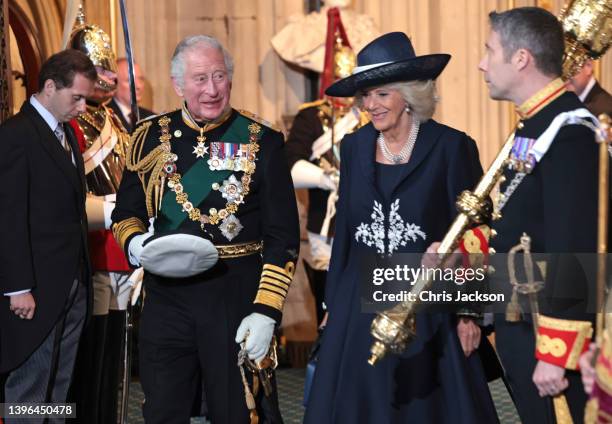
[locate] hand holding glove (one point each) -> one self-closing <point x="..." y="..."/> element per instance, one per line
<point x="135" y="247"/>
<point x="258" y="330"/>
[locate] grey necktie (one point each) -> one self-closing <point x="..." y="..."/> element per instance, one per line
<point x="61" y="136"/>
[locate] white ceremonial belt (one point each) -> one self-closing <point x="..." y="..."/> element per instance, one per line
<point x="100" y="148"/>
<point x="543" y="142"/>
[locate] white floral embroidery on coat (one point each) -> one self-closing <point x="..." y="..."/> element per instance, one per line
<point x="373" y="234"/>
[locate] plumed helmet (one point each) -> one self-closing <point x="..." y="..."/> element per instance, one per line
<point x="94" y="42"/>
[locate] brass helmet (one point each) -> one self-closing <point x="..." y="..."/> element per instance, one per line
<point x="344" y="59"/>
<point x="94" y="42"/>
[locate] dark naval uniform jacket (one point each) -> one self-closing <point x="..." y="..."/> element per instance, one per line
<point x="227" y="181"/>
<point x="556" y="206"/>
<point x="265" y="214"/>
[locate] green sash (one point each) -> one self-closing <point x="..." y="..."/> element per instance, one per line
<point x="197" y="181"/>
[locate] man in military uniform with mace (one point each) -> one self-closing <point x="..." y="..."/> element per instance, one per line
<point x="222" y="254"/>
<point x="549" y="194"/>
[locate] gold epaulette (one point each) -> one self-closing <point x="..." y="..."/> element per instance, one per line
<point x="151" y="164"/>
<point x="137" y="141"/>
<point x="311" y="104"/>
<point x="274" y="285"/>
<point x="259" y="120"/>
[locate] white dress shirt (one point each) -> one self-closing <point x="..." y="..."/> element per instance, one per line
<point x="587" y="89"/>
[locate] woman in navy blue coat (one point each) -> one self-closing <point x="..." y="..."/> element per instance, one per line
<point x="400" y="177"/>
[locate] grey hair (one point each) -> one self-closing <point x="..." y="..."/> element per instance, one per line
<point x="533" y="29"/>
<point x="177" y="64"/>
<point x="420" y="96"/>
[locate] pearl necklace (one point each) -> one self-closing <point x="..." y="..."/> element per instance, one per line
<point x="406" y="151"/>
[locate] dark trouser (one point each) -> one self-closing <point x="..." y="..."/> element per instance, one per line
<point x="96" y="381"/>
<point x="45" y="376"/>
<point x="187" y="332"/>
<point x="516" y="348"/>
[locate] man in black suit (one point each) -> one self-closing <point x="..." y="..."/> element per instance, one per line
<point x="120" y="104"/>
<point x="44" y="276"/>
<point x="594" y="97"/>
<point x="549" y="194"/>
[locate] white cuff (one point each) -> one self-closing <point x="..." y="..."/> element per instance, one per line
<point x="15" y="293"/>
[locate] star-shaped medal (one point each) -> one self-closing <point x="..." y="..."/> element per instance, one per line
<point x="200" y="150"/>
<point x="232" y="190"/>
<point x="230" y="227"/>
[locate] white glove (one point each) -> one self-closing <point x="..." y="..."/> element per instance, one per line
<point x="135" y="247"/>
<point x="94" y="206"/>
<point x="309" y="175"/>
<point x="109" y="206"/>
<point x="99" y="210"/>
<point x="258" y="330"/>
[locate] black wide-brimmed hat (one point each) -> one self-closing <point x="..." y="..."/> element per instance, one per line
<point x="389" y="58"/>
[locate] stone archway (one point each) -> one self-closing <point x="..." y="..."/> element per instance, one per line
<point x="34" y="34"/>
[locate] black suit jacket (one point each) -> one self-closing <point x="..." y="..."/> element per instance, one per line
<point x="144" y="113"/>
<point x="599" y="101"/>
<point x="44" y="244"/>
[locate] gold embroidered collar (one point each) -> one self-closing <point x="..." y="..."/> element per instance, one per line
<point x="541" y="99"/>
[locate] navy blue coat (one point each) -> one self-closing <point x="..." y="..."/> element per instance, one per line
<point x="432" y="381"/>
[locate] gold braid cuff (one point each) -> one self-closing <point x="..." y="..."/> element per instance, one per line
<point x="274" y="285"/>
<point x="124" y="229"/>
<point x="151" y="164"/>
<point x="561" y="341"/>
<point x="603" y="368"/>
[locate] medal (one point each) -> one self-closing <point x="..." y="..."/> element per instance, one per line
<point x="200" y="150"/>
<point x="215" y="163"/>
<point x="231" y="190"/>
<point x="521" y="160"/>
<point x="230" y="227"/>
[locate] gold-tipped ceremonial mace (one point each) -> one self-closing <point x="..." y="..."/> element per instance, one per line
<point x="587" y="29"/>
<point x="604" y="138"/>
<point x="587" y="26"/>
<point x="395" y="328"/>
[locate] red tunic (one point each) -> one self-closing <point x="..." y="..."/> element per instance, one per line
<point x="105" y="253"/>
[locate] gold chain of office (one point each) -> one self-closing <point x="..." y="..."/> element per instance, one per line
<point x="182" y="198"/>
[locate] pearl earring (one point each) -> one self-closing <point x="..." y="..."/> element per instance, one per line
<point x="407" y="109"/>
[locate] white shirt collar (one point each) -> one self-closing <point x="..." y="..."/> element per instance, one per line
<point x="125" y="110"/>
<point x="587" y="89"/>
<point x="44" y="112"/>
